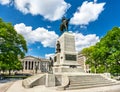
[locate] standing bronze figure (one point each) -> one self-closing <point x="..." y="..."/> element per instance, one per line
<point x="50" y="65"/>
<point x="64" y="24"/>
<point x="58" y="47"/>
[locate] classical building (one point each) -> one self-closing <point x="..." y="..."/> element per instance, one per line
<point x="32" y="64"/>
<point x="81" y="60"/>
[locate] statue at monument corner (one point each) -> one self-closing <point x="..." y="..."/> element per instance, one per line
<point x="64" y="24"/>
<point x="58" y="47"/>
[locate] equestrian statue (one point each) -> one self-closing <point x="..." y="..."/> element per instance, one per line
<point x="64" y="24"/>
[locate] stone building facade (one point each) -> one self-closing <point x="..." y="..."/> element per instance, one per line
<point x="32" y="64"/>
<point x="82" y="61"/>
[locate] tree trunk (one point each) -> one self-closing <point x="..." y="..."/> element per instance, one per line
<point x="9" y="72"/>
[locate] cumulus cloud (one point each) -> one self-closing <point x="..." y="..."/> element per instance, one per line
<point x="5" y="2"/>
<point x="42" y="35"/>
<point x="87" y="12"/>
<point x="49" y="9"/>
<point x="83" y="41"/>
<point x="49" y="55"/>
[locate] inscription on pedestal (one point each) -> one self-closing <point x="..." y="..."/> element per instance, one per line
<point x="69" y="43"/>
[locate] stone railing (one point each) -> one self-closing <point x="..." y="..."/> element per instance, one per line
<point x="65" y="82"/>
<point x="34" y="81"/>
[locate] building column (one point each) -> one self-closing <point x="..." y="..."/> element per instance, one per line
<point x="34" y="65"/>
<point x="27" y="65"/>
<point x="24" y="65"/>
<point x="30" y="65"/>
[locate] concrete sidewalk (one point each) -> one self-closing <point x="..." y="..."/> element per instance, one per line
<point x="4" y="86"/>
<point x="17" y="87"/>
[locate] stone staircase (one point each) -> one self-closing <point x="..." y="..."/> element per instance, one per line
<point x="88" y="81"/>
<point x="69" y="81"/>
<point x="34" y="80"/>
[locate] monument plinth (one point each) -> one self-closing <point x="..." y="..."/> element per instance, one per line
<point x="66" y="56"/>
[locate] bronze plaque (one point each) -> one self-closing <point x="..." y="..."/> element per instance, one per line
<point x="70" y="57"/>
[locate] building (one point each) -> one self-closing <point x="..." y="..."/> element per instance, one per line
<point x="82" y="61"/>
<point x="32" y="64"/>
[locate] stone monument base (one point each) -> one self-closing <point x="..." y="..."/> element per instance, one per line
<point x="66" y="69"/>
<point x="69" y="80"/>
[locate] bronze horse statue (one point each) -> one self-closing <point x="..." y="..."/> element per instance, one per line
<point x="64" y="24"/>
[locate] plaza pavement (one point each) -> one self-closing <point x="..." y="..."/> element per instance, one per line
<point x="5" y="85"/>
<point x="17" y="87"/>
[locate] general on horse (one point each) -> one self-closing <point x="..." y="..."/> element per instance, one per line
<point x="64" y="24"/>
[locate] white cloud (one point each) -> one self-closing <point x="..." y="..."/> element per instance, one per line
<point x="49" y="9"/>
<point x="48" y="38"/>
<point x="5" y="2"/>
<point x="42" y="35"/>
<point x="49" y="55"/>
<point x="88" y="12"/>
<point x="83" y="41"/>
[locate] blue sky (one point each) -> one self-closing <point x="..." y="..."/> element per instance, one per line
<point x="38" y="21"/>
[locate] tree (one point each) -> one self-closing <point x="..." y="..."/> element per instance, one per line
<point x="106" y="53"/>
<point x="12" y="46"/>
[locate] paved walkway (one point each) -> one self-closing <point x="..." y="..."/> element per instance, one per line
<point x="5" y="85"/>
<point x="17" y="87"/>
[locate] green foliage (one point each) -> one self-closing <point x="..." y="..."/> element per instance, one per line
<point x="12" y="45"/>
<point x="105" y="55"/>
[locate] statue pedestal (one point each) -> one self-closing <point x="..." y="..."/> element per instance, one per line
<point x="65" y="69"/>
<point x="66" y="59"/>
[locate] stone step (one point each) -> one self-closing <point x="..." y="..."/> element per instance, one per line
<point x="95" y="83"/>
<point x="89" y="81"/>
<point x="84" y="78"/>
<point x="88" y="86"/>
<point x="80" y="78"/>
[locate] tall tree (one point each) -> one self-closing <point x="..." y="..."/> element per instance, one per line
<point x="12" y="46"/>
<point x="106" y="53"/>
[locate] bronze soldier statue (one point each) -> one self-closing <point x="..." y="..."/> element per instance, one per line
<point x="64" y="24"/>
<point x="50" y="65"/>
<point x="58" y="47"/>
